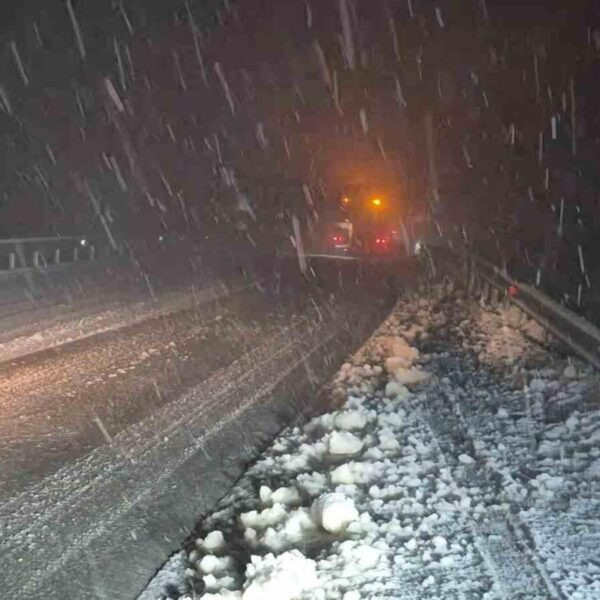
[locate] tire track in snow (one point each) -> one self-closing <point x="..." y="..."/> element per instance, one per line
<point x="510" y="560"/>
<point x="513" y="565"/>
<point x="515" y="568"/>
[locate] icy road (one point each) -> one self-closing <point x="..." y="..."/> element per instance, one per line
<point x="463" y="463"/>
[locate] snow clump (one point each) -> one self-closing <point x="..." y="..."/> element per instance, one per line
<point x="283" y="577"/>
<point x="334" y="512"/>
<point x="344" y="442"/>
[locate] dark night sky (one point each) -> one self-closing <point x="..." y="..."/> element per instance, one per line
<point x="63" y="136"/>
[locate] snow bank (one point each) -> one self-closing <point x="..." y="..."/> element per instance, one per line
<point x="419" y="493"/>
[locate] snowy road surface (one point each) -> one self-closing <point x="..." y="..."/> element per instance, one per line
<point x="104" y="440"/>
<point x="44" y="308"/>
<point x="463" y="463"/>
<point x="58" y="405"/>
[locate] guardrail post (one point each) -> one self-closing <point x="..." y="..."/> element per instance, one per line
<point x="57" y="256"/>
<point x="75" y="254"/>
<point x="471" y="280"/>
<point x="485" y="292"/>
<point x="12" y="261"/>
<point x="92" y="252"/>
<point x="37" y="262"/>
<point x="495" y="297"/>
<point x="476" y="287"/>
<point x="465" y="272"/>
<point x="20" y="250"/>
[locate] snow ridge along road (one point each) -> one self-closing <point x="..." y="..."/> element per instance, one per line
<point x="462" y="464"/>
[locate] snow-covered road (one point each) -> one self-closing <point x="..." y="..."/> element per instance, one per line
<point x="463" y="463"/>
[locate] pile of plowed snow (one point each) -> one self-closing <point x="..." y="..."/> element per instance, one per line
<point x="394" y="494"/>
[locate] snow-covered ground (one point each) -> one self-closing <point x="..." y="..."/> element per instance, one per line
<point x="463" y="463"/>
<point x="62" y="324"/>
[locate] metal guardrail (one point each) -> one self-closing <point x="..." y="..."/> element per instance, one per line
<point x="41" y="252"/>
<point x="489" y="282"/>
